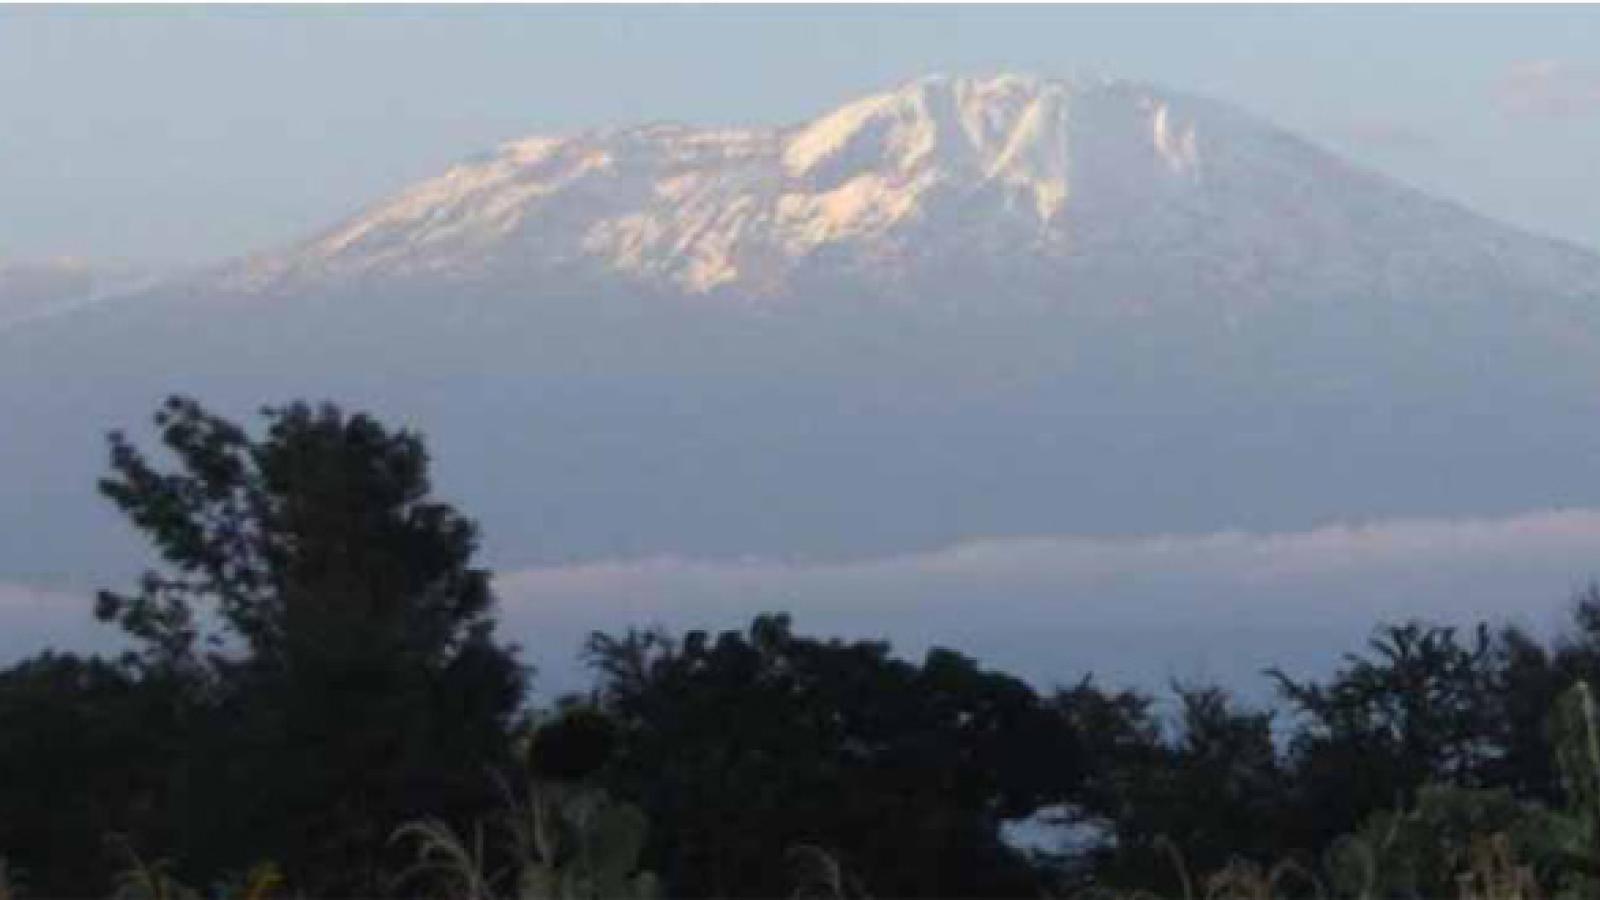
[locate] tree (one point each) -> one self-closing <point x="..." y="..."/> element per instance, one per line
<point x="1423" y="707"/>
<point x="84" y="746"/>
<point x="746" y="746"/>
<point x="1214" y="788"/>
<point x="1533" y="677"/>
<point x="328" y="616"/>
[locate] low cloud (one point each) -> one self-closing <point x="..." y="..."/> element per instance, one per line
<point x="1549" y="88"/>
<point x="1143" y="609"/>
<point x="1135" y="610"/>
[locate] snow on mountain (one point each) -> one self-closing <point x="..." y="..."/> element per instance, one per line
<point x="1049" y="183"/>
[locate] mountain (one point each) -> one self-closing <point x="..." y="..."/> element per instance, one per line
<point x="963" y="307"/>
<point x="1050" y="184"/>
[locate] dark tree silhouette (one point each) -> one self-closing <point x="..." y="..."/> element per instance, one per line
<point x="1422" y="706"/>
<point x="745" y="746"/>
<point x="348" y="670"/>
<point x="1210" y="782"/>
<point x="86" y="750"/>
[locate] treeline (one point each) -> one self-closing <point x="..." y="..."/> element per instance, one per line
<point x="317" y="690"/>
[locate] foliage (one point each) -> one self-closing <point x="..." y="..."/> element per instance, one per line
<point x="457" y="869"/>
<point x="1424" y="850"/>
<point x="572" y="746"/>
<point x="148" y="880"/>
<point x="750" y="743"/>
<point x="565" y="838"/>
<point x="262" y="881"/>
<point x="1212" y="783"/>
<point x="352" y="678"/>
<point x="86" y="747"/>
<point x="1422" y="706"/>
<point x="1493" y="873"/>
<point x="588" y="847"/>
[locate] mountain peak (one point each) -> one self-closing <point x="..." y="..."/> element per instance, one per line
<point x="1048" y="181"/>
<point x="977" y="122"/>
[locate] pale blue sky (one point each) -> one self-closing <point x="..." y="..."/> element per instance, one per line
<point x="179" y="134"/>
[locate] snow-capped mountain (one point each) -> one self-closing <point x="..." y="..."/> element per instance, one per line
<point x="963" y="307"/>
<point x="1063" y="189"/>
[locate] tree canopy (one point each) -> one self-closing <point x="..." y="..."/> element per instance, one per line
<point x="752" y="743"/>
<point x="325" y="610"/>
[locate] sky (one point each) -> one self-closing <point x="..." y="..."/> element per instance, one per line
<point x="181" y="135"/>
